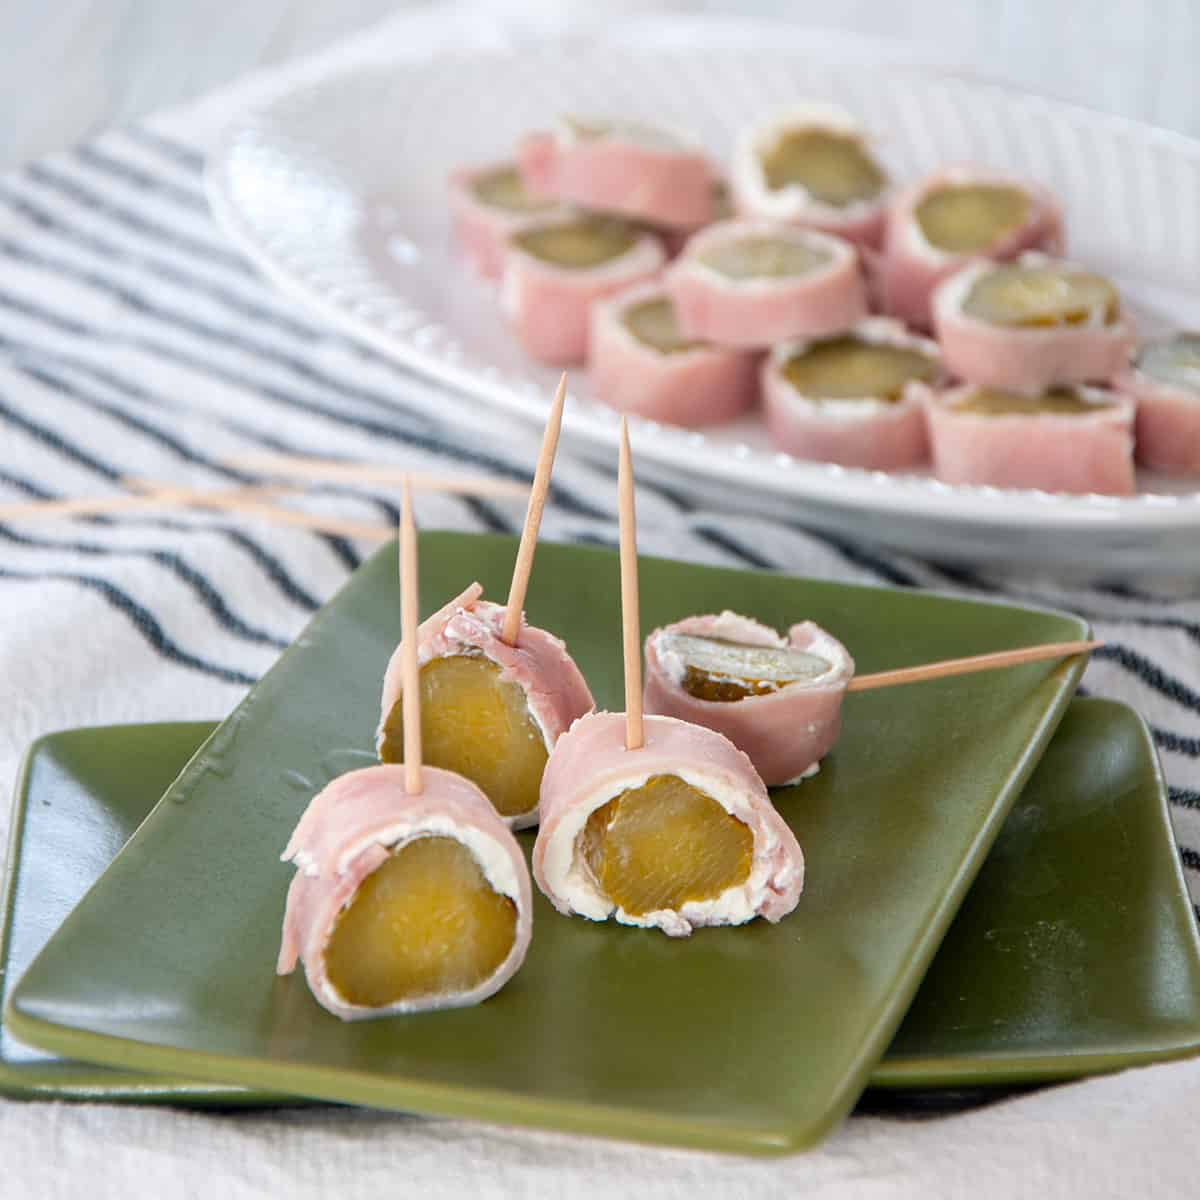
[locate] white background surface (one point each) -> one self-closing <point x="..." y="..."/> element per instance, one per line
<point x="110" y="61"/>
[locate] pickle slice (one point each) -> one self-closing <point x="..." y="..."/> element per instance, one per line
<point x="834" y="168"/>
<point x="479" y="725"/>
<point x="759" y="256"/>
<point x="723" y="671"/>
<point x="662" y="844"/>
<point x="992" y="402"/>
<point x="582" y="242"/>
<point x="1040" y="297"/>
<point x="851" y="368"/>
<point x="504" y="188"/>
<point x="1175" y="361"/>
<point x="971" y="218"/>
<point x="425" y="923"/>
<point x="653" y="323"/>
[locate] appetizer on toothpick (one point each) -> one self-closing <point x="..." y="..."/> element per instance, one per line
<point x="495" y="692"/>
<point x="651" y="820"/>
<point x="780" y="699"/>
<point x="410" y="892"/>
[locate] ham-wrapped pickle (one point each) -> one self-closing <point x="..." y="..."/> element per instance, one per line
<point x="489" y="711"/>
<point x="402" y="903"/>
<point x="811" y="165"/>
<point x="1030" y="325"/>
<point x="749" y="284"/>
<point x="641" y="363"/>
<point x="1164" y="381"/>
<point x="675" y="835"/>
<point x="778" y="699"/>
<point x="854" y="398"/>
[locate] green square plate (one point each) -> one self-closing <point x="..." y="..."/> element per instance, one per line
<point x="1086" y="857"/>
<point x="755" y="1039"/>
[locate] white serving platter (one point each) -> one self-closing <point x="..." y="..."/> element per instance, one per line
<point x="336" y="188"/>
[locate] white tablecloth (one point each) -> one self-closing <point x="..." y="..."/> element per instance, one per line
<point x="134" y="340"/>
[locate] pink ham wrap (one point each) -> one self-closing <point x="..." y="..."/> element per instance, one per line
<point x="1024" y="360"/>
<point x="911" y="268"/>
<point x="1089" y="452"/>
<point x="590" y="766"/>
<point x="350" y="829"/>
<point x="1167" y="424"/>
<point x="785" y="733"/>
<point x="861" y="221"/>
<point x="641" y="173"/>
<point x="481" y="229"/>
<point x="754" y="313"/>
<point x="539" y="664"/>
<point x="549" y="306"/>
<point x="876" y="434"/>
<point x="702" y="386"/>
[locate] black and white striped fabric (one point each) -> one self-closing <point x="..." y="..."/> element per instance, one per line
<point x="135" y="341"/>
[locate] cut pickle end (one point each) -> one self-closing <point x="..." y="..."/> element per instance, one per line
<point x="660" y="845"/>
<point x="477" y="724"/>
<point x="971" y="218"/>
<point x="653" y="323"/>
<point x="425" y="923"/>
<point x="851" y="368"/>
<point x="993" y="402"/>
<point x="1041" y="297"/>
<point x="504" y="188"/>
<point x="584" y="242"/>
<point x="591" y="129"/>
<point x="759" y="256"/>
<point x="834" y="168"/>
<point x="725" y="671"/>
<point x="1175" y="361"/>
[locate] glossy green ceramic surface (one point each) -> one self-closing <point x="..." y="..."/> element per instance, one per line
<point x="755" y="1039"/>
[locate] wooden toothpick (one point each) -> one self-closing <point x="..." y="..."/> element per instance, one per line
<point x="968" y="666"/>
<point x="410" y="680"/>
<point x="533" y="518"/>
<point x="291" y="466"/>
<point x="635" y="737"/>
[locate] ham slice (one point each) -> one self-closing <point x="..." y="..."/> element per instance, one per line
<point x="1053" y="452"/>
<point x="756" y="312"/>
<point x="1025" y="359"/>
<point x="701" y="385"/>
<point x="549" y="306"/>
<point x="350" y="829"/>
<point x="1168" y="418"/>
<point x="860" y="221"/>
<point x="590" y="766"/>
<point x="647" y="174"/>
<point x="873" y="433"/>
<point x="483" y="229"/>
<point x="785" y="733"/>
<point x="911" y="268"/>
<point x="539" y="664"/>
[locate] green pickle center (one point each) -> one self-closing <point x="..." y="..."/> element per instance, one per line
<point x="850" y="368"/>
<point x="1042" y="297"/>
<point x="763" y="257"/>
<point x="971" y="218"/>
<point x="425" y="923"/>
<point x="477" y="724"/>
<point x="504" y="188"/>
<point x="833" y="168"/>
<point x="653" y="323"/>
<point x="992" y="402"/>
<point x="663" y="844"/>
<point x="581" y="243"/>
<point x="722" y="671"/>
